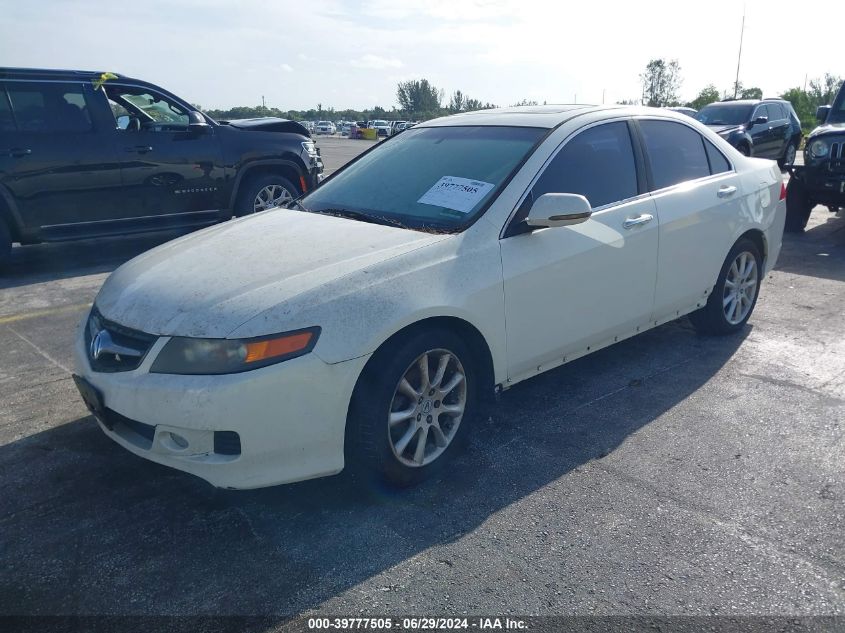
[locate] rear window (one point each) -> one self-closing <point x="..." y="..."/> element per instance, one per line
<point x="675" y="153"/>
<point x="49" y="107"/>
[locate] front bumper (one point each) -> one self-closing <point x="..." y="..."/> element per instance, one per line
<point x="290" y="418"/>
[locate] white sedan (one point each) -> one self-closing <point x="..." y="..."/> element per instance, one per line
<point x="363" y="325"/>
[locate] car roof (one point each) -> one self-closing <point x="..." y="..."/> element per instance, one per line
<point x="50" y="74"/>
<point x="548" y="116"/>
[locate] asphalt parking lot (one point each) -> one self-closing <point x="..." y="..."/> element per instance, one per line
<point x="670" y="474"/>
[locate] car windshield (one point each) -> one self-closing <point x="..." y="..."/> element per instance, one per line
<point x="720" y="114"/>
<point x="837" y="112"/>
<point x="437" y="178"/>
<point x="379" y="123"/>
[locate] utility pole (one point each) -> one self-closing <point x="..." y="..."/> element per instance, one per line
<point x="603" y="90"/>
<point x="739" y="57"/>
<point x="263" y="105"/>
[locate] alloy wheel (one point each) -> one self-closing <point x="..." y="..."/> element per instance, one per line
<point x="740" y="288"/>
<point x="427" y="407"/>
<point x="271" y="197"/>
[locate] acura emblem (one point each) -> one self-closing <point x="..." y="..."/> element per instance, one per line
<point x="102" y="343"/>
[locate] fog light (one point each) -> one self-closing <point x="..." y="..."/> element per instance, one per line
<point x="179" y="442"/>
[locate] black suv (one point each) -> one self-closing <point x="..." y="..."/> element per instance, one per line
<point x="767" y="128"/>
<point x="821" y="180"/>
<point x="88" y="154"/>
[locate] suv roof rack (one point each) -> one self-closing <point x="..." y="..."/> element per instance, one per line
<point x="49" y="72"/>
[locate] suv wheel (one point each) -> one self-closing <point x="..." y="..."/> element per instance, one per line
<point x="735" y="294"/>
<point x="788" y="157"/>
<point x="5" y="244"/>
<point x="268" y="191"/>
<point x="798" y="206"/>
<point x="412" y="408"/>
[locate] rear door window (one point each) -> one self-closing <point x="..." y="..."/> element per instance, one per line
<point x="674" y="152"/>
<point x="718" y="163"/>
<point x="49" y="107"/>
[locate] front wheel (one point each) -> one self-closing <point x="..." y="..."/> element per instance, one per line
<point x="735" y="293"/>
<point x="788" y="157"/>
<point x="412" y="408"/>
<point x="268" y="191"/>
<point x="798" y="206"/>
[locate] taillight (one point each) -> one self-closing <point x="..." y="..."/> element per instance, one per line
<point x="782" y="191"/>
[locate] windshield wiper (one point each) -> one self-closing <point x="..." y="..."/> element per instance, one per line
<point x="359" y="215"/>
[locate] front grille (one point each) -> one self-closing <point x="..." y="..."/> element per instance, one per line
<point x="113" y="347"/>
<point x="837" y="157"/>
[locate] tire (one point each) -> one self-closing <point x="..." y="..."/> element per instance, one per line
<point x="788" y="157"/>
<point x="738" y="269"/>
<point x="798" y="206"/>
<point x="744" y="149"/>
<point x="5" y="245"/>
<point x="246" y="202"/>
<point x="381" y="450"/>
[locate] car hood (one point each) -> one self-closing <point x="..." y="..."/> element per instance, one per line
<point x="268" y="124"/>
<point x="827" y="128"/>
<point x="725" y="129"/>
<point x="208" y="283"/>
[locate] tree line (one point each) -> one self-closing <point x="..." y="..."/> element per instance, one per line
<point x="420" y="100"/>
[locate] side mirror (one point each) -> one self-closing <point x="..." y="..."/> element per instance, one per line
<point x="760" y="120"/>
<point x="559" y="209"/>
<point x="821" y="113"/>
<point x="197" y="123"/>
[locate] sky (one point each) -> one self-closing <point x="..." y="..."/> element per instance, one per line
<point x="339" y="54"/>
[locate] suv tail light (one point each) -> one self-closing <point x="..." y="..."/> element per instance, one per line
<point x="782" y="191"/>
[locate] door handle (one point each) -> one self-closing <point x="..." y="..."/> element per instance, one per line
<point x="726" y="191"/>
<point x="16" y="152"/>
<point x="630" y="223"/>
<point x="139" y="149"/>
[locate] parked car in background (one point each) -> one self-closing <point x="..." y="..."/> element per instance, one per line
<point x="684" y="110"/>
<point x="396" y="126"/>
<point x="325" y="127"/>
<point x="338" y="335"/>
<point x="80" y="160"/>
<point x="821" y="180"/>
<point x="381" y="127"/>
<point x="767" y="128"/>
<point x="344" y="129"/>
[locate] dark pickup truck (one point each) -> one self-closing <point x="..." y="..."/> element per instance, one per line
<point x="821" y="180"/>
<point x="88" y="154"/>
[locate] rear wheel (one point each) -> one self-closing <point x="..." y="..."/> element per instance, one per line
<point x="264" y="192"/>
<point x="735" y="294"/>
<point x="788" y="157"/>
<point x="412" y="408"/>
<point x="798" y="206"/>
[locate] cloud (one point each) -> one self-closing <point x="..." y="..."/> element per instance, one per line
<point x="375" y="62"/>
<point x="287" y="68"/>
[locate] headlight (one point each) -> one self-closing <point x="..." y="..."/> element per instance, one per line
<point x="198" y="356"/>
<point x="819" y="149"/>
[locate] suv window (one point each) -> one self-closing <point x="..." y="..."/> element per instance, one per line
<point x="49" y="107"/>
<point x="597" y="164"/>
<point x="155" y="112"/>
<point x="675" y="153"/>
<point x="776" y="112"/>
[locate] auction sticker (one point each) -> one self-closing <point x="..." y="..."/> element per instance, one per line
<point x="453" y="192"/>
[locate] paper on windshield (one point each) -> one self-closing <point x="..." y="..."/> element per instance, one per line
<point x="453" y="192"/>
